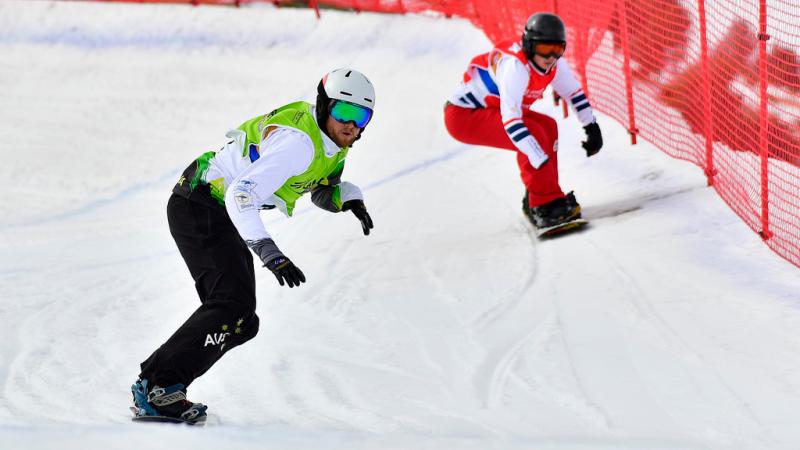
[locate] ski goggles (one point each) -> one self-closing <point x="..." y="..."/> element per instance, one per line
<point x="550" y="49"/>
<point x="344" y="112"/>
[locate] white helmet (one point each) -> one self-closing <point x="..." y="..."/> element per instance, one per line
<point x="348" y="85"/>
<point x="344" y="84"/>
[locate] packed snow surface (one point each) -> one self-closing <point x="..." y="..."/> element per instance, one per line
<point x="667" y="324"/>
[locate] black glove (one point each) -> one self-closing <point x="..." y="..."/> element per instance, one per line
<point x="286" y="270"/>
<point x="594" y="139"/>
<point x="277" y="263"/>
<point x="360" y="211"/>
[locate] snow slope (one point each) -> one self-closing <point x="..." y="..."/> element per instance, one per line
<point x="666" y="325"/>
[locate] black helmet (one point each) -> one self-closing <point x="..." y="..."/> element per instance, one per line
<point x="542" y="27"/>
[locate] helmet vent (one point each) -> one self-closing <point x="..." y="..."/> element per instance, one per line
<point x="344" y="84"/>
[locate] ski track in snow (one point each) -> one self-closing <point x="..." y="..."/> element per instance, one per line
<point x="648" y="318"/>
<point x="646" y="311"/>
<point x="95" y="205"/>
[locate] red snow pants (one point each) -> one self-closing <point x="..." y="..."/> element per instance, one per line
<point x="484" y="126"/>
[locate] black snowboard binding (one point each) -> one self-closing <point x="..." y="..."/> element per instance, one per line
<point x="157" y="404"/>
<point x="554" y="213"/>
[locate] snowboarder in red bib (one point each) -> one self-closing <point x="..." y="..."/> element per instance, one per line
<point x="492" y="108"/>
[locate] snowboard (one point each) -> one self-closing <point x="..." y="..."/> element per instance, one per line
<point x="164" y="419"/>
<point x="564" y="228"/>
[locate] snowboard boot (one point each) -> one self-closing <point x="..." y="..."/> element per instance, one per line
<point x="169" y="402"/>
<point x="554" y="213"/>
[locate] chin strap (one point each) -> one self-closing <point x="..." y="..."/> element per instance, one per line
<point x="542" y="71"/>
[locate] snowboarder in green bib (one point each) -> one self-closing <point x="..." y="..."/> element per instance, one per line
<point x="213" y="213"/>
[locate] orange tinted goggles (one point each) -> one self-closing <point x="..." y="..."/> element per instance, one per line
<point x="550" y="49"/>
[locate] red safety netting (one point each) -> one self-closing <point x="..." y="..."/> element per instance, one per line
<point x="714" y="83"/>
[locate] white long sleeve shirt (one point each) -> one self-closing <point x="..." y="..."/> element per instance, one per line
<point x="513" y="86"/>
<point x="284" y="153"/>
<point x="251" y="185"/>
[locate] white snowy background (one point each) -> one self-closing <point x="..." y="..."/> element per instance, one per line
<point x="667" y="324"/>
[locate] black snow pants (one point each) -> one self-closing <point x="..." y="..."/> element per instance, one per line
<point x="222" y="268"/>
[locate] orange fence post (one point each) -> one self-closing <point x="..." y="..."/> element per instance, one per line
<point x="564" y="107"/>
<point x="626" y="61"/>
<point x="709" y="169"/>
<point x="313" y="4"/>
<point x="763" y="124"/>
